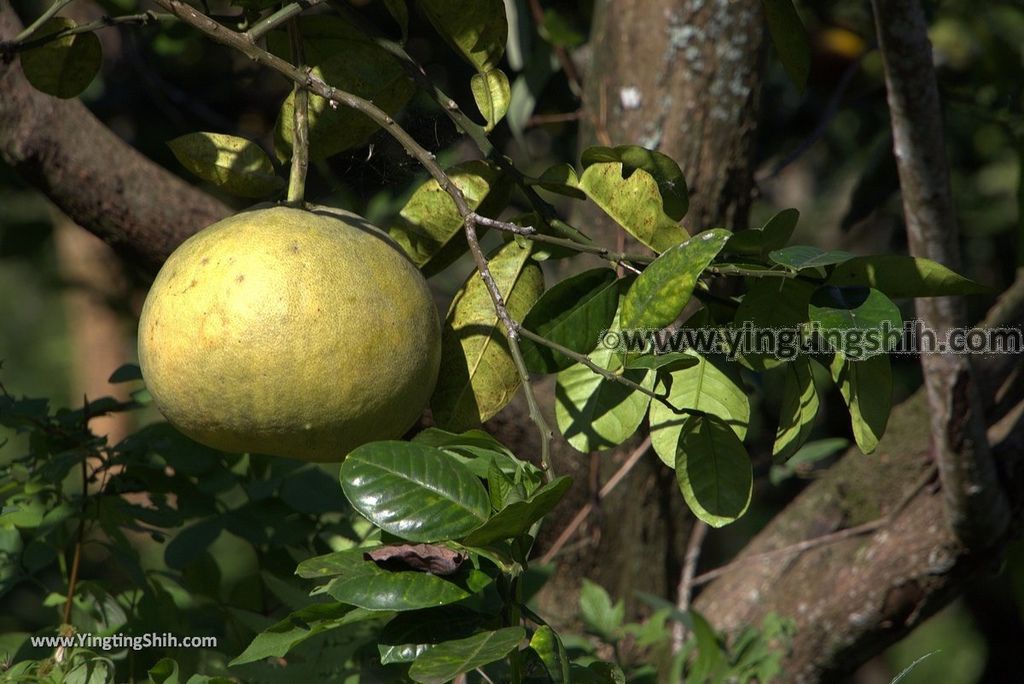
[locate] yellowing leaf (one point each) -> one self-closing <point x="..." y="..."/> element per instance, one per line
<point x="234" y="164"/>
<point x="492" y="93"/>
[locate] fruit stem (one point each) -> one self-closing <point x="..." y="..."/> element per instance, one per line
<point x="300" y="127"/>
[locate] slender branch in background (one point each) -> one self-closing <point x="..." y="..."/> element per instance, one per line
<point x="588" y="507"/>
<point x="976" y="506"/>
<point x="272" y="21"/>
<point x="564" y="59"/>
<point x="831" y="108"/>
<point x="103" y="22"/>
<point x="685" y="588"/>
<point x="50" y="12"/>
<point x="542" y="119"/>
<point x="300" y="125"/>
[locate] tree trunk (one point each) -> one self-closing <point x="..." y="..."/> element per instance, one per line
<point x="682" y="78"/>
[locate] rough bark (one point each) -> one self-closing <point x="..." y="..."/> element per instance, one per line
<point x="682" y="77"/>
<point x="975" y="505"/>
<point x="102" y="183"/>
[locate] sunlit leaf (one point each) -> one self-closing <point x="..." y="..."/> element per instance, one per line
<point x="448" y="660"/>
<point x="236" y="165"/>
<point x="492" y="93"/>
<point x="516" y="518"/>
<point x="478" y="375"/>
<point x="903" y="276"/>
<point x="799" y="408"/>
<point x="414" y="491"/>
<point x="713" y="470"/>
<point x="866" y="387"/>
<point x="477" y="30"/>
<point x="658" y="295"/>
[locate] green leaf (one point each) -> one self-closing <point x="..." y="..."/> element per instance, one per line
<point x="235" y="165"/>
<point x="773" y="235"/>
<point x="369" y="586"/>
<point x="661" y="167"/>
<point x="798" y="411"/>
<point x="478" y="376"/>
<point x="126" y="373"/>
<point x="805" y="455"/>
<point x="414" y="491"/>
<point x="477" y="30"/>
<point x="790" y="39"/>
<point x="560" y="30"/>
<point x="713" y="386"/>
<point x="65" y="66"/>
<point x="773" y="304"/>
<point x="560" y="179"/>
<point x="866" y="387"/>
<point x="164" y="672"/>
<point x="347" y="59"/>
<point x="799" y="257"/>
<point x="500" y="486"/>
<point x="658" y="295"/>
<point x="447" y="661"/>
<point x="413" y="633"/>
<point x="429" y="227"/>
<point x="669" y="361"/>
<point x="399" y="11"/>
<point x="548" y="647"/>
<point x="903" y="276"/>
<point x="642" y="191"/>
<point x="848" y="313"/>
<point x="516" y="518"/>
<point x="492" y="93"/>
<point x="280" y="638"/>
<point x="712" y="660"/>
<point x="599" y="614"/>
<point x="573" y="313"/>
<point x="595" y="414"/>
<point x="713" y="470"/>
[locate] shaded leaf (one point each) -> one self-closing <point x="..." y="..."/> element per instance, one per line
<point x="126" y="373"/>
<point x="345" y="58"/>
<point x="492" y="93"/>
<point x="713" y="470"/>
<point x="399" y="11"/>
<point x="670" y="361"/>
<point x="790" y="39"/>
<point x="712" y="386"/>
<point x="573" y="313"/>
<point x="799" y="408"/>
<point x="548" y="647"/>
<point x="414" y="491"/>
<point x="799" y="257"/>
<point x="866" y="387"/>
<point x="448" y="660"/>
<point x="773" y="304"/>
<point x="277" y="640"/>
<point x="561" y="179"/>
<point x="413" y="633"/>
<point x="903" y="276"/>
<point x="846" y="312"/>
<point x="373" y="588"/>
<point x="516" y="518"/>
<point x="658" y="295"/>
<point x="477" y="30"/>
<point x="235" y="165"/>
<point x="600" y="615"/>
<point x="478" y="376"/>
<point x="65" y="66"/>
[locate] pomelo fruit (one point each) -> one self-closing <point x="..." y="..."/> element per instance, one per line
<point x="289" y="332"/>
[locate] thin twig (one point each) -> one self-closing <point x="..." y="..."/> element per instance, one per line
<point x="50" y="12"/>
<point x="300" y="123"/>
<point x="560" y="117"/>
<point x="272" y="21"/>
<point x="815" y="542"/>
<point x="685" y="588"/>
<point x="588" y="507"/>
<point x="103" y="22"/>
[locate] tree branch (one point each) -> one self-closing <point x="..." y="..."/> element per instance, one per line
<point x="975" y="503"/>
<point x="102" y="183"/>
